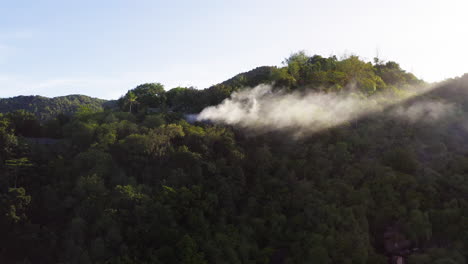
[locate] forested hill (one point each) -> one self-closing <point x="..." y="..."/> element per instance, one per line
<point x="140" y="184"/>
<point x="46" y="108"/>
<point x="300" y="72"/>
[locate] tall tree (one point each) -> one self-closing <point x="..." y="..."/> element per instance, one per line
<point x="131" y="99"/>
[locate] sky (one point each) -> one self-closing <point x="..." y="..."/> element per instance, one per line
<point x="104" y="48"/>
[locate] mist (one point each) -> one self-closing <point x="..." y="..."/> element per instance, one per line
<point x="425" y="111"/>
<point x="263" y="109"/>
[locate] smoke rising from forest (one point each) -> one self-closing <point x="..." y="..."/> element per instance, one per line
<point x="425" y="111"/>
<point x="263" y="109"/>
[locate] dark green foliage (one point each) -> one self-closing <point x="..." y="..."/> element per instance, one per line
<point x="47" y="108"/>
<point x="392" y="74"/>
<point x="137" y="186"/>
<point x="143" y="97"/>
<point x="251" y="78"/>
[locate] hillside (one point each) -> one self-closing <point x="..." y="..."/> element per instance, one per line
<point x="326" y="161"/>
<point x="46" y="108"/>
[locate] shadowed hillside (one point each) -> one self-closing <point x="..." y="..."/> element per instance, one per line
<point x="139" y="184"/>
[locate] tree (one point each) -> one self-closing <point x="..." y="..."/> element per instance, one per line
<point x="189" y="253"/>
<point x="8" y="141"/>
<point x="16" y="165"/>
<point x="361" y="74"/>
<point x="297" y="64"/>
<point x="131" y="99"/>
<point x="24" y="123"/>
<point x="14" y="204"/>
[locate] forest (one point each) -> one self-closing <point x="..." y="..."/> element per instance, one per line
<point x="48" y="108"/>
<point x="138" y="182"/>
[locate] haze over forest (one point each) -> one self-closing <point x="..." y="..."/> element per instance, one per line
<point x="208" y="132"/>
<point x="322" y="160"/>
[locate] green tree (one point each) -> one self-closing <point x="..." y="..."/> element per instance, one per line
<point x="131" y="99"/>
<point x="189" y="253"/>
<point x="14" y="205"/>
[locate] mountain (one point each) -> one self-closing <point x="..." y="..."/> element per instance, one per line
<point x="45" y="108"/>
<point x="140" y="184"/>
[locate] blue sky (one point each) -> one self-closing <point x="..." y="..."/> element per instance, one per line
<point x="104" y="48"/>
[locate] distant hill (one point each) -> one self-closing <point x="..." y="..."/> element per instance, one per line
<point x="45" y="108"/>
<point x="262" y="74"/>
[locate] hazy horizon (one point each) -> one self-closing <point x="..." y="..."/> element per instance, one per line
<point x="104" y="49"/>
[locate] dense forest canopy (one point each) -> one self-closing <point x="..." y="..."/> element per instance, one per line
<point x="48" y="108"/>
<point x="140" y="184"/>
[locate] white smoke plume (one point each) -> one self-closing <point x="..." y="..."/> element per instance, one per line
<point x="425" y="111"/>
<point x="262" y="109"/>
